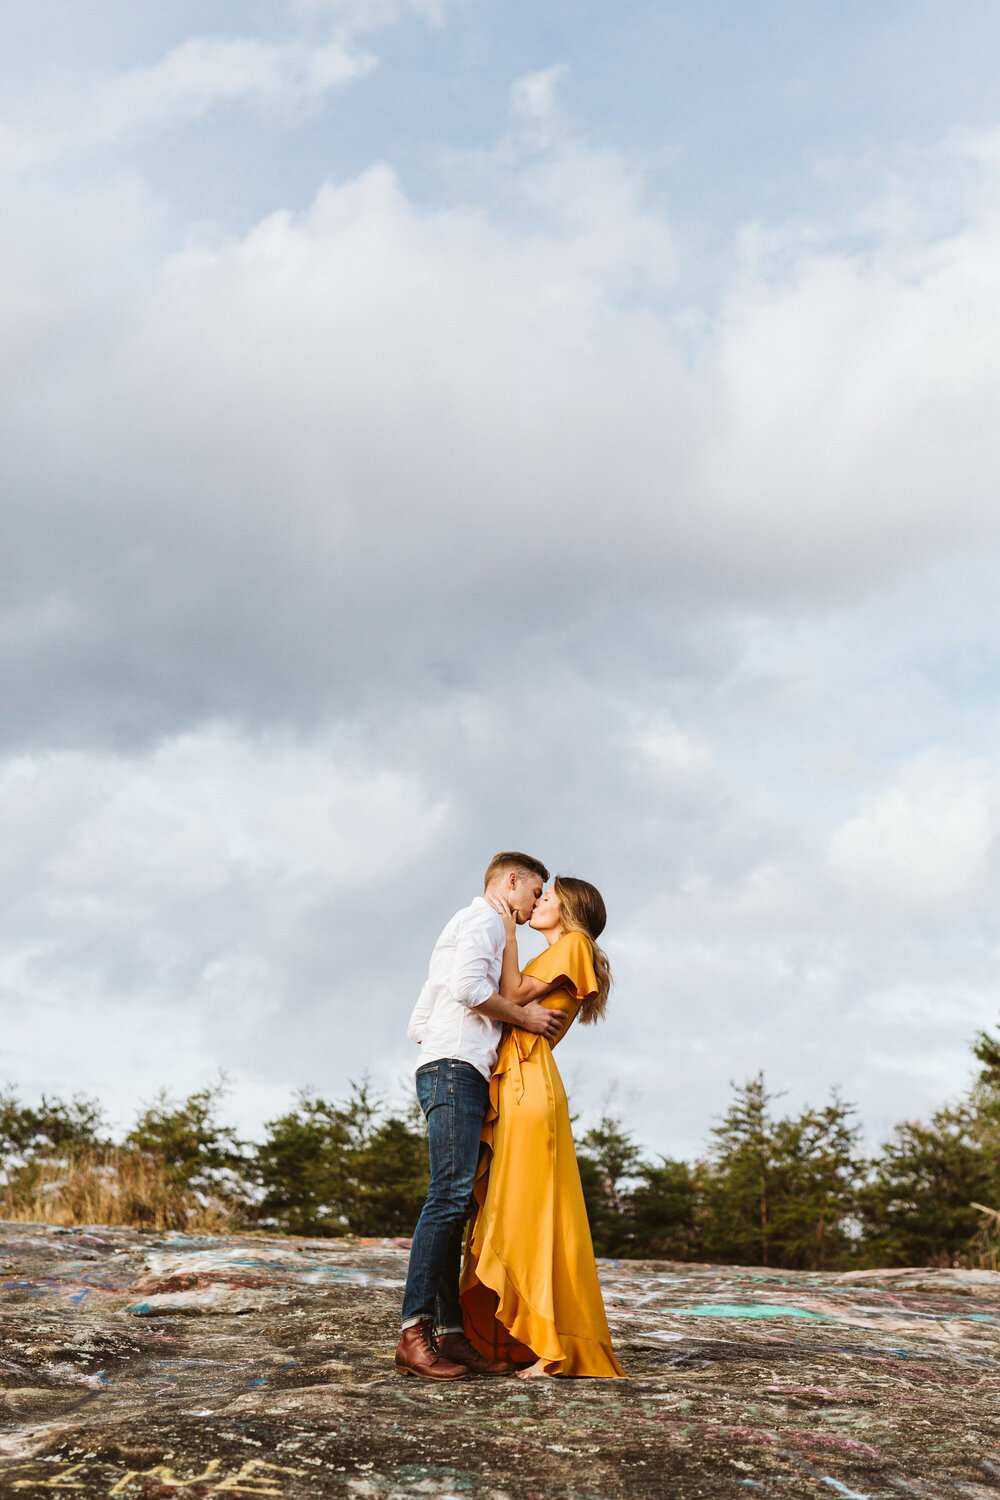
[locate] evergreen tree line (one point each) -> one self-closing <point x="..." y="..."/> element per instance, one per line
<point x="792" y="1191"/>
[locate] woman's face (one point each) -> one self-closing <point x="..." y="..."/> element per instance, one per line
<point x="547" y="913"/>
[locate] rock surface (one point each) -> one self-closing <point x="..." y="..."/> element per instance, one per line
<point x="139" y="1364"/>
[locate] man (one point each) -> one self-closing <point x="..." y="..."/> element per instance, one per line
<point x="458" y="1021"/>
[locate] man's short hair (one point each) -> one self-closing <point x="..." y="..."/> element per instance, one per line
<point x="509" y="859"/>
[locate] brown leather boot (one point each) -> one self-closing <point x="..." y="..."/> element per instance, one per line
<point x="457" y="1347"/>
<point x="418" y="1354"/>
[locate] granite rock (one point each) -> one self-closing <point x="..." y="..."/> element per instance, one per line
<point x="138" y="1364"/>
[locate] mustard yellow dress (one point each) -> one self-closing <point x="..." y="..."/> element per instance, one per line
<point x="529" y="1283"/>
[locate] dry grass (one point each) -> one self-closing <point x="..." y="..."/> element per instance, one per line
<point x="113" y="1187"/>
<point x="986" y="1245"/>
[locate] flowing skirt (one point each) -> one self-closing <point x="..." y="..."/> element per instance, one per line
<point x="529" y="1282"/>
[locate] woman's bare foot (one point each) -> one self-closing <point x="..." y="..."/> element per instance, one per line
<point x="533" y="1371"/>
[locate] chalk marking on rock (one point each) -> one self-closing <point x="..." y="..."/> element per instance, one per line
<point x="744" y="1310"/>
<point x="57" y="1482"/>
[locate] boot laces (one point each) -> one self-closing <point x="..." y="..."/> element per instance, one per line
<point x="428" y="1337"/>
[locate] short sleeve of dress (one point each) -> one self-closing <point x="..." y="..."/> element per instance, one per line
<point x="571" y="959"/>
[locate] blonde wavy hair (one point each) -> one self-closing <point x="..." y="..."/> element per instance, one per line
<point x="582" y="909"/>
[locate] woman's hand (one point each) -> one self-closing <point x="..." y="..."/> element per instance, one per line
<point x="500" y="904"/>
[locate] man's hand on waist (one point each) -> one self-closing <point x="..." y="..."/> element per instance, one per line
<point x="531" y="1016"/>
<point x="537" y="1017"/>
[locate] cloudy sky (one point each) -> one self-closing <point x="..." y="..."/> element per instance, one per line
<point x="430" y="426"/>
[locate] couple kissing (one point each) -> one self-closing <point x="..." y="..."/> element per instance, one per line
<point x="526" y="1299"/>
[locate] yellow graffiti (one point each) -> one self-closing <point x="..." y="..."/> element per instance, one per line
<point x="250" y="1471"/>
<point x="57" y="1482"/>
<point x="254" y="1478"/>
<point x="167" y="1476"/>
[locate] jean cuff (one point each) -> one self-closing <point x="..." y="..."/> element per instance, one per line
<point x="451" y="1328"/>
<point x="412" y="1322"/>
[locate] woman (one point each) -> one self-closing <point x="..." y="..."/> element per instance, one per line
<point x="530" y="1292"/>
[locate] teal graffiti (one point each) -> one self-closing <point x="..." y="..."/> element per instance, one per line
<point x="744" y="1310"/>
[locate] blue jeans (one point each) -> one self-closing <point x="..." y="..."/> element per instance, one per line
<point x="453" y="1096"/>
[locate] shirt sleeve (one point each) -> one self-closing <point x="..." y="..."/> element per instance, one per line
<point x="420" y="1015"/>
<point x="475" y="950"/>
<point x="570" y="959"/>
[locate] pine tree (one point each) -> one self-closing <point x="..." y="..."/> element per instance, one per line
<point x="739" y="1200"/>
<point x="386" y="1163"/>
<point x="302" y="1168"/>
<point x="816" y="1177"/>
<point x="608" y="1157"/>
<point x="347" y="1168"/>
<point x="394" y="1172"/>
<point x="57" y="1128"/>
<point x="663" y="1212"/>
<point x="782" y="1192"/>
<point x="197" y="1150"/>
<point x="918" y="1208"/>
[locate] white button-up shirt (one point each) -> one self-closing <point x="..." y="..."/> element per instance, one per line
<point x="464" y="971"/>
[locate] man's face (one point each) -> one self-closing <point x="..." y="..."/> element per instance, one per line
<point x="522" y="892"/>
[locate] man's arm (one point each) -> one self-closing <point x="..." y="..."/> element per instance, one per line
<point x="472" y="986"/>
<point x="529" y="1015"/>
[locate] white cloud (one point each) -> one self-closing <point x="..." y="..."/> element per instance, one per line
<point x="836" y="426"/>
<point x="860" y="382"/>
<point x="925" y="842"/>
<point x="207" y="71"/>
<point x="200" y="75"/>
<point x="377" y="363"/>
<point x="533" y="100"/>
<point x="188" y="903"/>
<point x="361" y="15"/>
<point x="672" y="751"/>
